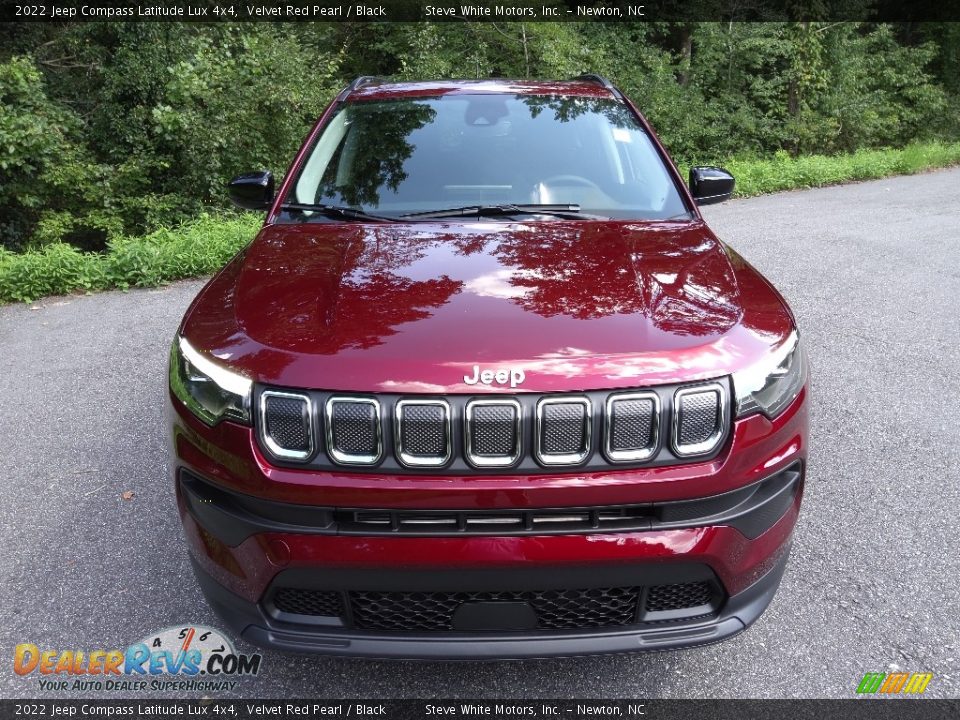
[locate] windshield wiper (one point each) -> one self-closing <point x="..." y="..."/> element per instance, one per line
<point x="563" y="211"/>
<point x="337" y="211"/>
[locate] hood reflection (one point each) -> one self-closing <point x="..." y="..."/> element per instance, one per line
<point x="590" y="274"/>
<point x="348" y="293"/>
<point x="446" y="295"/>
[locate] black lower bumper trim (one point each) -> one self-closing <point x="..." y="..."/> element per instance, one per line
<point x="233" y="517"/>
<point x="248" y="621"/>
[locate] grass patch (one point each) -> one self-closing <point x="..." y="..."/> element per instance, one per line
<point x="202" y="246"/>
<point x="782" y="172"/>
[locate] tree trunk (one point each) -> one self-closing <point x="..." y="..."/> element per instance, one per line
<point x="686" y="54"/>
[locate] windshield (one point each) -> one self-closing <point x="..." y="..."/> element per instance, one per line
<point x="406" y="156"/>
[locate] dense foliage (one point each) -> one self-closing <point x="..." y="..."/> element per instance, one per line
<point x="112" y="129"/>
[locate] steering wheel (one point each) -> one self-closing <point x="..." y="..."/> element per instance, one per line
<point x="571" y="180"/>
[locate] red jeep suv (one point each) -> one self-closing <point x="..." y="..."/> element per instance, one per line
<point x="485" y="385"/>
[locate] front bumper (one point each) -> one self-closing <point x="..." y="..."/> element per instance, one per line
<point x="249" y="621"/>
<point x="242" y="581"/>
<point x="253" y="528"/>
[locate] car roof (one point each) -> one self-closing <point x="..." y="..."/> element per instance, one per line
<point x="376" y="89"/>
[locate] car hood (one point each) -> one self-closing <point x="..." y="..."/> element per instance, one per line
<point x="414" y="307"/>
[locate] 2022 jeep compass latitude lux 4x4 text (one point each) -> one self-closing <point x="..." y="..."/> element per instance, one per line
<point x="486" y="385"/>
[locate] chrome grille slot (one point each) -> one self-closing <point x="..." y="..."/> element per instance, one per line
<point x="353" y="430"/>
<point x="699" y="418"/>
<point x="435" y="520"/>
<point x="632" y="426"/>
<point x="562" y="434"/>
<point x="547" y="519"/>
<point x="422" y="432"/>
<point x="372" y="518"/>
<point x="286" y="424"/>
<point x="499" y="520"/>
<point x="493" y="432"/>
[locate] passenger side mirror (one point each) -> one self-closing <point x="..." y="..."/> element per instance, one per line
<point x="710" y="185"/>
<point x="252" y="191"/>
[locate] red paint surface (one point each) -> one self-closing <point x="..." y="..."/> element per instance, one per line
<point x="737" y="561"/>
<point x="410" y="308"/>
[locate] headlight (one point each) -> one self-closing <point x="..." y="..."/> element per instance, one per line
<point x="771" y="385"/>
<point x="210" y="391"/>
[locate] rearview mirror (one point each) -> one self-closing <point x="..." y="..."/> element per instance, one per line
<point x="252" y="191"/>
<point x="710" y="185"/>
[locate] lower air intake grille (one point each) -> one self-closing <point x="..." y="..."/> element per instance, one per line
<point x="679" y="597"/>
<point x="308" y="602"/>
<point x="555" y="609"/>
<point x="435" y="611"/>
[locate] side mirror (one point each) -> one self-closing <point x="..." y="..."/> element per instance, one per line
<point x="710" y="185"/>
<point x="252" y="191"/>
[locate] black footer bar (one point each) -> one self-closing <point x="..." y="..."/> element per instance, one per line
<point x="899" y="708"/>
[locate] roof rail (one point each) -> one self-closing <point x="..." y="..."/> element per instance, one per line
<point x="599" y="80"/>
<point x="361" y="81"/>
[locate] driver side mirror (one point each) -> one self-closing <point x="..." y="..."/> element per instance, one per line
<point x="710" y="185"/>
<point x="252" y="191"/>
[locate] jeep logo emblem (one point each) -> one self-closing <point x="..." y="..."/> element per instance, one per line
<point x="501" y="376"/>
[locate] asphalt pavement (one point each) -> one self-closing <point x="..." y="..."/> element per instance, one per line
<point x="872" y="271"/>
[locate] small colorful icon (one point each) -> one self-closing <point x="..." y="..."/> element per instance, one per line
<point x="896" y="683"/>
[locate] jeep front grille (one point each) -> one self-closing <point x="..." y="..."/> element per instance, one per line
<point x="522" y="433"/>
<point x="560" y="609"/>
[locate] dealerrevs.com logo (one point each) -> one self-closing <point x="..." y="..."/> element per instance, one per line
<point x="189" y="657"/>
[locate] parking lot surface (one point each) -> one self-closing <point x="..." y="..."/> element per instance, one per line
<point x="873" y="273"/>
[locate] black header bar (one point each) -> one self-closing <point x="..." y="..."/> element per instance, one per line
<point x="477" y="11"/>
